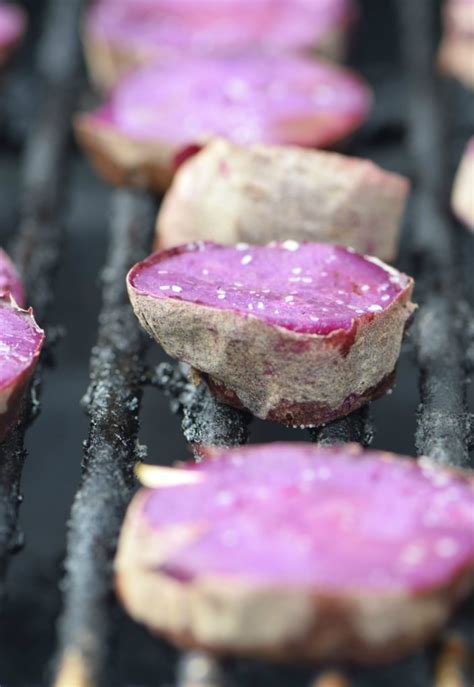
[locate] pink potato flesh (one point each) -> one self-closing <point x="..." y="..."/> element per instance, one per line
<point x="149" y="30"/>
<point x="12" y="27"/>
<point x="246" y="99"/>
<point x="296" y="514"/>
<point x="20" y="344"/>
<point x="10" y="281"/>
<point x="459" y="17"/>
<point x="306" y="288"/>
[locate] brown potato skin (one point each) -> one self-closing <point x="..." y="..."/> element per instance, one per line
<point x="256" y="194"/>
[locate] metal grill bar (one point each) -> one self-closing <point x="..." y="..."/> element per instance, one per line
<point x="37" y="247"/>
<point x="355" y="427"/>
<point x="443" y="428"/>
<point x="112" y="403"/>
<point x="206" y="422"/>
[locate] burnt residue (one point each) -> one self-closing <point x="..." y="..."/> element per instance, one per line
<point x="206" y="421"/>
<point x="110" y="452"/>
<point x="37" y="247"/>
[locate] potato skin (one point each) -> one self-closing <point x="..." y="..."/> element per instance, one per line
<point x="229" y="194"/>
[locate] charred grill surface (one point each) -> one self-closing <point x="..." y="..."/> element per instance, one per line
<point x="112" y="403"/>
<point x="37" y="246"/>
<point x="442" y="323"/>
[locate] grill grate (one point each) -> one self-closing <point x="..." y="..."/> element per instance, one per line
<point x="439" y="332"/>
<point x="118" y="374"/>
<point x="112" y="403"/>
<point x="36" y="249"/>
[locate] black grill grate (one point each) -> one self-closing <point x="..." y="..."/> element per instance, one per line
<point x="113" y="404"/>
<point x="440" y="336"/>
<point x="441" y="326"/>
<point x="37" y="246"/>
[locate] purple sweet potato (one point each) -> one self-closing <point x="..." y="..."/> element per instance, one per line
<point x="458" y="17"/>
<point x="12" y="28"/>
<point x="456" y="58"/>
<point x="162" y="114"/>
<point x="10" y="281"/>
<point x="20" y="345"/>
<point x="456" y="54"/>
<point x="462" y="199"/>
<point x="293" y="551"/>
<point x="229" y="193"/>
<point x="298" y="333"/>
<point x="120" y="36"/>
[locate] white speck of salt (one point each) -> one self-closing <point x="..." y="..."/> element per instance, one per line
<point x="246" y="260"/>
<point x="386" y="297"/>
<point x="439" y="479"/>
<point x="290" y="245"/>
<point x="250" y="306"/>
<point x="364" y="287"/>
<point x="221" y="295"/>
<point x="374" y="308"/>
<point x="313" y="318"/>
<point x="446" y="547"/>
<point x="308" y="475"/>
<point x="260" y="306"/>
<point x="236" y="89"/>
<point x="306" y="280"/>
<point x="224" y="498"/>
<point x="296" y="270"/>
<point x="339" y="302"/>
<point x="176" y="289"/>
<point x="412" y="554"/>
<point x="289" y="299"/>
<point x="164" y="287"/>
<point x="242" y="246"/>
